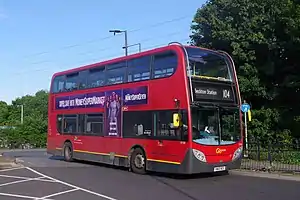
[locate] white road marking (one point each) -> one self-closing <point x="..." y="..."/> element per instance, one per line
<point x="26" y="178"/>
<point x="21" y="181"/>
<point x="20" y="196"/>
<point x="59" y="193"/>
<point x="10" y="169"/>
<point x="70" y="185"/>
<point x="43" y="178"/>
<point x="47" y="180"/>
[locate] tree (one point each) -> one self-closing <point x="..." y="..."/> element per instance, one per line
<point x="264" y="39"/>
<point x="34" y="129"/>
<point x="3" y="112"/>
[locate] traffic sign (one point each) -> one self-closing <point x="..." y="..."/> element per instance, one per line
<point x="245" y="107"/>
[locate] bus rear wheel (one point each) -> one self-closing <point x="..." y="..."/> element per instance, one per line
<point x="68" y="152"/>
<point x="138" y="161"/>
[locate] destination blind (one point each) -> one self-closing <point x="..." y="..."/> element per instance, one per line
<point x="213" y="92"/>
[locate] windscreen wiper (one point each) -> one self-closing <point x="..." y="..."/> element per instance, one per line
<point x="200" y="105"/>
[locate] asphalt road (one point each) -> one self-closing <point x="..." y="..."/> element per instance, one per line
<point x="60" y="180"/>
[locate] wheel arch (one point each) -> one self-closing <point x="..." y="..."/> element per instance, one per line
<point x="68" y="141"/>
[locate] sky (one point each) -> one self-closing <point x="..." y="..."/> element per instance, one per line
<point x="39" y="38"/>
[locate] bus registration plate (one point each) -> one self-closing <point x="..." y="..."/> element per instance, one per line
<point x="221" y="168"/>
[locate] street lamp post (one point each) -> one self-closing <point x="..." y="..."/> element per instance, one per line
<point x="125" y="32"/>
<point x="22" y="112"/>
<point x="140" y="48"/>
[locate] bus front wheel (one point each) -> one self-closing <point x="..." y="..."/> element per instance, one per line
<point x="68" y="152"/>
<point x="138" y="161"/>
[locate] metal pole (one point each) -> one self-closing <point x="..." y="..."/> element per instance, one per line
<point x="140" y="46"/>
<point x="22" y="114"/>
<point x="246" y="136"/>
<point x="126" y="46"/>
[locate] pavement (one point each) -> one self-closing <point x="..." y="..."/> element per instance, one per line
<point x="270" y="175"/>
<point x="44" y="177"/>
<point x="7" y="162"/>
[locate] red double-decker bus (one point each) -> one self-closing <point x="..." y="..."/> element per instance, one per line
<point x="170" y="109"/>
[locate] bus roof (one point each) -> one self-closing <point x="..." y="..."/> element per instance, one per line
<point x="118" y="59"/>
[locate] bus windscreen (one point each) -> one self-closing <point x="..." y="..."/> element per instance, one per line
<point x="209" y="65"/>
<point x="216" y="126"/>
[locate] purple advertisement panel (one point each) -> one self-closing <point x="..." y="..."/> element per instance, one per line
<point x="90" y="100"/>
<point x="113" y="112"/>
<point x="135" y="96"/>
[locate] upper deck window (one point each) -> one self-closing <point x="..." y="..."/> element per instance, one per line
<point x="164" y="64"/>
<point x="139" y="69"/>
<point x="72" y="81"/>
<point x="116" y="73"/>
<point x="58" y="84"/>
<point x="159" y="65"/>
<point x="82" y="79"/>
<point x="96" y="77"/>
<point x="206" y="64"/>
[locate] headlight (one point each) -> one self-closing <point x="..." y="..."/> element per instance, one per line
<point x="237" y="153"/>
<point x="199" y="155"/>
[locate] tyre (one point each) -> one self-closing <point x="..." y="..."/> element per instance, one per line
<point x="68" y="152"/>
<point x="138" y="161"/>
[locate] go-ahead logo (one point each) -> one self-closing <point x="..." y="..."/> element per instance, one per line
<point x="219" y="151"/>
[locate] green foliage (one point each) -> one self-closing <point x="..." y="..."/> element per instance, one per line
<point x="263" y="38"/>
<point x="33" y="131"/>
<point x="264" y="128"/>
<point x="283" y="157"/>
<point x="3" y="111"/>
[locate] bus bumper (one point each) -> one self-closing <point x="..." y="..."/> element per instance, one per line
<point x="191" y="165"/>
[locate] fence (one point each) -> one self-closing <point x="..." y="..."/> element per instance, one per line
<point x="273" y="157"/>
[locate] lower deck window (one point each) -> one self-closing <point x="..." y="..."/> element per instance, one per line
<point x="152" y="124"/>
<point x="136" y="124"/>
<point x="83" y="124"/>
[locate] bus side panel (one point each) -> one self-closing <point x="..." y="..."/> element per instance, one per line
<point x="100" y="149"/>
<point x="113" y="148"/>
<point x="161" y="97"/>
<point x="93" y="149"/>
<point x="165" y="156"/>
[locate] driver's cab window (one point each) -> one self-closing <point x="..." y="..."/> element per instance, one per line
<point x="210" y="124"/>
<point x="205" y="123"/>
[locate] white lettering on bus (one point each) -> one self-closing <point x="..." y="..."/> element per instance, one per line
<point x="82" y="102"/>
<point x="134" y="97"/>
<point x="207" y="91"/>
<point x="211" y="92"/>
<point x="200" y="91"/>
<point x="226" y="94"/>
<point x="90" y="101"/>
